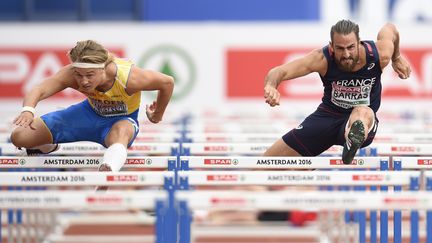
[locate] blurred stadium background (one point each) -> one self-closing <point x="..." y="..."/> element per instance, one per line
<point x="218" y="51"/>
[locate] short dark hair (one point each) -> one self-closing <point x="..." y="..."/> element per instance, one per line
<point x="345" y="27"/>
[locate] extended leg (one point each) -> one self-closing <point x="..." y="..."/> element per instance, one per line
<point x="360" y="121"/>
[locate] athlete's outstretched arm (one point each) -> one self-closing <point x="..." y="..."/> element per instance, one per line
<point x="315" y="61"/>
<point x="45" y="89"/>
<point x="388" y="48"/>
<point x="141" y="80"/>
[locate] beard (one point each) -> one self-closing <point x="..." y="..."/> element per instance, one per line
<point x="347" y="64"/>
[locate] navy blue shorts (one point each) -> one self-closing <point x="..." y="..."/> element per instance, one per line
<point x="80" y="123"/>
<point x="321" y="130"/>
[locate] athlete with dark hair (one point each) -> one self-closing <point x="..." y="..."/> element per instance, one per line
<point x="350" y="70"/>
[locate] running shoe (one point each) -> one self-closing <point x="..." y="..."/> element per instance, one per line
<point x="355" y="139"/>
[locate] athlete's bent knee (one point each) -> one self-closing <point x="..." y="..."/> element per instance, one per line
<point x="18" y="138"/>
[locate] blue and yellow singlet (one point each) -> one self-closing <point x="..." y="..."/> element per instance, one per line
<point x="115" y="101"/>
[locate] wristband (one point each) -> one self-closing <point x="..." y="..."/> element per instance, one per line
<point x="29" y="109"/>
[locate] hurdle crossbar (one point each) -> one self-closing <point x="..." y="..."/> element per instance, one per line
<point x="78" y="199"/>
<point x="238" y="148"/>
<point x="81" y="162"/>
<point x="235" y="162"/>
<point x="82" y="178"/>
<point x="402" y="149"/>
<point x="304" y="200"/>
<point x="414" y="162"/>
<point x="90" y="148"/>
<point x="328" y="178"/>
<point x="233" y="138"/>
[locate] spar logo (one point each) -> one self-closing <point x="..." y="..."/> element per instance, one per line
<point x="104" y="200"/>
<point x="9" y="161"/>
<point x="21" y="68"/>
<point x="403" y="149"/>
<point x="369" y="178"/>
<point x="216" y="139"/>
<point x="340" y="162"/>
<point x="122" y="178"/>
<point x="174" y="61"/>
<point x="215" y="161"/>
<point x="138" y="161"/>
<point x="217" y="148"/>
<point x="141" y="148"/>
<point x="424" y="161"/>
<point x="401" y="200"/>
<point x="215" y="201"/>
<point x="223" y="178"/>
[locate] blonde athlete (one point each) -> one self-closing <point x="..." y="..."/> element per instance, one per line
<point x="350" y="70"/>
<point x="109" y="114"/>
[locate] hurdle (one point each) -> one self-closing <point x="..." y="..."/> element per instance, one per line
<point x="407" y="138"/>
<point x="77" y="162"/>
<point x="201" y="137"/>
<point x="251" y="162"/>
<point x="208" y="137"/>
<point x="49" y="201"/>
<point x="296" y="178"/>
<point x="402" y="149"/>
<point x="423" y="164"/>
<point x="92" y="149"/>
<point x="245" y="148"/>
<point x="157" y="137"/>
<point x="166" y="224"/>
<point x="318" y="201"/>
<point x="154" y="137"/>
<point x="84" y="178"/>
<point x="248" y="162"/>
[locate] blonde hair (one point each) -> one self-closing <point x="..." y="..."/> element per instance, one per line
<point x="90" y="51"/>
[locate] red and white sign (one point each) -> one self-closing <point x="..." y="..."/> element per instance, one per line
<point x="217" y="161"/>
<point x="403" y="149"/>
<point x="400" y="201"/>
<point x="368" y="178"/>
<point x="340" y="162"/>
<point x="24" y="67"/>
<point x="222" y="177"/>
<point x="104" y="200"/>
<point x="228" y="201"/>
<point x="122" y="178"/>
<point x="141" y="147"/>
<point x="216" y="139"/>
<point x="424" y="161"/>
<point x="216" y="148"/>
<point x="135" y="161"/>
<point x="9" y="161"/>
<point x="247" y="69"/>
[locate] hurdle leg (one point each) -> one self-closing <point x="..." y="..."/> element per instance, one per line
<point x="429" y="214"/>
<point x="10" y="226"/>
<point x="373" y="217"/>
<point x="429" y="226"/>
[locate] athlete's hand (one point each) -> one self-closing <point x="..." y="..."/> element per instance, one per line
<point x="25" y="119"/>
<point x="271" y="95"/>
<point x="401" y="67"/>
<point x="151" y="115"/>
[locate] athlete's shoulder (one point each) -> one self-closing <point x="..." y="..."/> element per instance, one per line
<point x="317" y="61"/>
<point x="316" y="55"/>
<point x="122" y="61"/>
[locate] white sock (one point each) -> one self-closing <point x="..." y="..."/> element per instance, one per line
<point x="115" y="156"/>
<point x="46" y="148"/>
